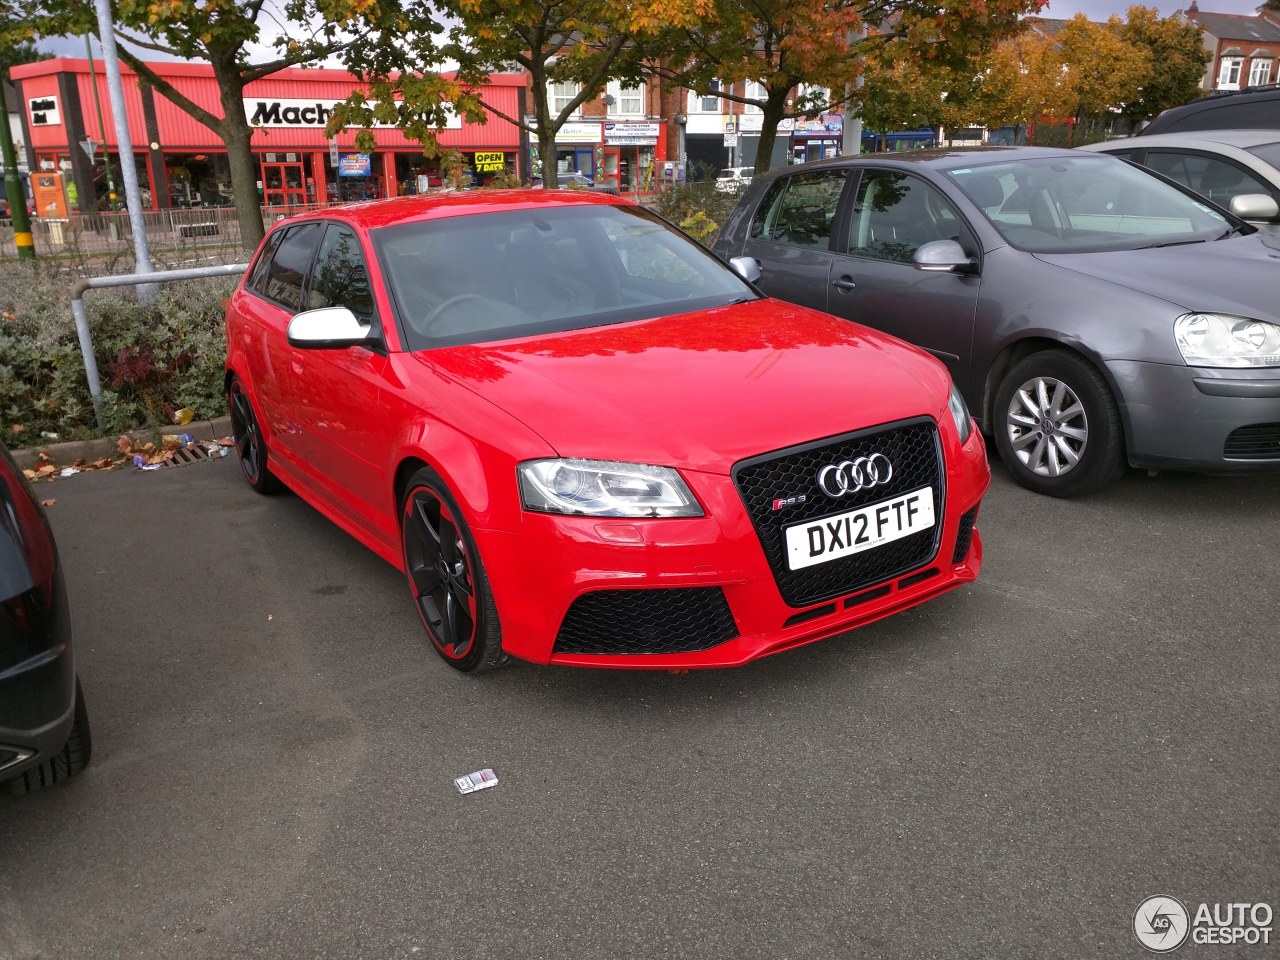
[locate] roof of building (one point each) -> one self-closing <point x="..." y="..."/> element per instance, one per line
<point x="1230" y="26"/>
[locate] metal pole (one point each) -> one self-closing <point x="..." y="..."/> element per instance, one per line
<point x="851" y="137"/>
<point x="102" y="130"/>
<point x="147" y="293"/>
<point x="13" y="184"/>
<point x="126" y="280"/>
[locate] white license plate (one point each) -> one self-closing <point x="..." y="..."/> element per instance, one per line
<point x="866" y="528"/>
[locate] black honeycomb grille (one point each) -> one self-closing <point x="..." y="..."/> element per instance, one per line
<point x="1261" y="441"/>
<point x="912" y="447"/>
<point x="661" y="620"/>
<point x="964" y="538"/>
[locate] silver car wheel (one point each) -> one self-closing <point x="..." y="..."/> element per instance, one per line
<point x="1047" y="426"/>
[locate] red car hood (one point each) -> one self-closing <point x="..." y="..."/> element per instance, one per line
<point x="701" y="390"/>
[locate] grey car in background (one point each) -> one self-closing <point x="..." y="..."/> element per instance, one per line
<point x="1236" y="169"/>
<point x="1093" y="315"/>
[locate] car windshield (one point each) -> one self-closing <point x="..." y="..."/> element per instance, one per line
<point x="729" y="172"/>
<point x="493" y="276"/>
<point x="1270" y="152"/>
<point x="1086" y="204"/>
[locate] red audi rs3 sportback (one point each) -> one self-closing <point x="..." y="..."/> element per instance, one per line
<point x="586" y="440"/>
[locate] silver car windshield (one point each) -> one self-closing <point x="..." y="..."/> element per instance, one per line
<point x="1086" y="204"/>
<point x="479" y="276"/>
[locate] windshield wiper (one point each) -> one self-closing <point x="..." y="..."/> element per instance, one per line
<point x="1231" y="232"/>
<point x="1175" y="243"/>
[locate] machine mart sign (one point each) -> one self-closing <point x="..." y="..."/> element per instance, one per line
<point x="44" y="111"/>
<point x="308" y="113"/>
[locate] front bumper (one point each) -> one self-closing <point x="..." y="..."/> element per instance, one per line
<point x="37" y="693"/>
<point x="1198" y="418"/>
<point x="539" y="571"/>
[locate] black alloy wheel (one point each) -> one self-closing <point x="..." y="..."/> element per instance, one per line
<point x="446" y="578"/>
<point x="251" y="449"/>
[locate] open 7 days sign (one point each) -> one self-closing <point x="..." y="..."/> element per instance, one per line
<point x="307" y="113"/>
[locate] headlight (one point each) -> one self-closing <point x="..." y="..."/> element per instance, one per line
<point x="960" y="413"/>
<point x="605" y="488"/>
<point x="1221" y="340"/>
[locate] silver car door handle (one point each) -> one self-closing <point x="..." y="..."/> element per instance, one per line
<point x="844" y="283"/>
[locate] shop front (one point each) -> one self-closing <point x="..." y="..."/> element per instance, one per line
<point x="181" y="163"/>
<point x="818" y="139"/>
<point x="629" y="150"/>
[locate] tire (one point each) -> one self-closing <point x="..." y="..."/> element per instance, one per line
<point x="251" y="448"/>
<point x="1057" y="427"/>
<point x="70" y="760"/>
<point x="446" y="577"/>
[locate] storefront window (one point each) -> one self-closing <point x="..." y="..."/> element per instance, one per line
<point x="198" y="179"/>
<point x="355" y="177"/>
<point x="416" y="174"/>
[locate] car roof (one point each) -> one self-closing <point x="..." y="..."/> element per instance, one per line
<point x="1250" y="107"/>
<point x="940" y="158"/>
<point x="371" y="214"/>
<point x="1243" y="139"/>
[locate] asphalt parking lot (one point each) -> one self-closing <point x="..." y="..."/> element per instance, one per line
<point x="1005" y="772"/>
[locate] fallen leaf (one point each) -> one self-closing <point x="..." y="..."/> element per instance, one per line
<point x="46" y="470"/>
<point x="149" y="448"/>
<point x="78" y="462"/>
<point x="48" y="503"/>
<point x="30" y="474"/>
<point x="226" y="442"/>
<point x="42" y="457"/>
<point x="170" y="442"/>
<point x="101" y="464"/>
<point x="124" y="444"/>
<point x="17" y="428"/>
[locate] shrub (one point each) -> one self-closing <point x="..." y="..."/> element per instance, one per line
<point x="698" y="208"/>
<point x="152" y="359"/>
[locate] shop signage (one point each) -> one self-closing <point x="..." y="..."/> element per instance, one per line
<point x="572" y="132"/>
<point x="309" y="113"/>
<point x="354" y="165"/>
<point x="490" y="162"/>
<point x="44" y="111"/>
<point x="631" y="134"/>
<point x="828" y="123"/>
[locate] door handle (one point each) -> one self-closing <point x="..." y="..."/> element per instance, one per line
<point x="844" y="283"/>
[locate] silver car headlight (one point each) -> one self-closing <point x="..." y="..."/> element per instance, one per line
<point x="960" y="413"/>
<point x="1222" y="340"/>
<point x="605" y="488"/>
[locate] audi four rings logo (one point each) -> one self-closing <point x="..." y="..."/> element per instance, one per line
<point x="851" y="476"/>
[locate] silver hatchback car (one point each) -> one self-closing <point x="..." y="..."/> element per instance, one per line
<point x="1093" y="315"/>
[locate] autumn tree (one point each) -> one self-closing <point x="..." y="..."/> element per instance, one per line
<point x="581" y="43"/>
<point x="1102" y="70"/>
<point x="1025" y="81"/>
<point x="1177" y="57"/>
<point x="224" y="34"/>
<point x="821" y="44"/>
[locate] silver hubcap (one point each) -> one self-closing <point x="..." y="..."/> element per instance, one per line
<point x="1047" y="426"/>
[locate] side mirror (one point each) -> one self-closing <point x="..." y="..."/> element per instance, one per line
<point x="328" y="327"/>
<point x="748" y="268"/>
<point x="1254" y="206"/>
<point x="943" y="256"/>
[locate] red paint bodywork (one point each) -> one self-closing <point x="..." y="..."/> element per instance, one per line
<point x="698" y="392"/>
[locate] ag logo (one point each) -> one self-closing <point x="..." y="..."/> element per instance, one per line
<point x="1161" y="924"/>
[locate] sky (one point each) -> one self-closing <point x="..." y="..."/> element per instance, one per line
<point x="1100" y="10"/>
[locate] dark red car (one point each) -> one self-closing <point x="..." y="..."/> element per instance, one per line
<point x="587" y="441"/>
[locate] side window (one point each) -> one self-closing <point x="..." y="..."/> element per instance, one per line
<point x="895" y="214"/>
<point x="288" y="267"/>
<point x="1210" y="177"/>
<point x="340" y="278"/>
<point x="800" y="210"/>
<point x="258" y="280"/>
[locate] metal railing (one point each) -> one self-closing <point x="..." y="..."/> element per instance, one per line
<point x="178" y="230"/>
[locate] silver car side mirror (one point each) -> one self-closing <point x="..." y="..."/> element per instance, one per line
<point x="942" y="256"/>
<point x="327" y="327"/>
<point x="1254" y="206"/>
<point x="748" y="268"/>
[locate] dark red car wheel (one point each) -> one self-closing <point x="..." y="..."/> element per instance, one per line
<point x="446" y="578"/>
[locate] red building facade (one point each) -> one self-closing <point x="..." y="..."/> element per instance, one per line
<point x="66" y="113"/>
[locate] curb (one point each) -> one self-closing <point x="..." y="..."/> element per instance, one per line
<point x="64" y="454"/>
